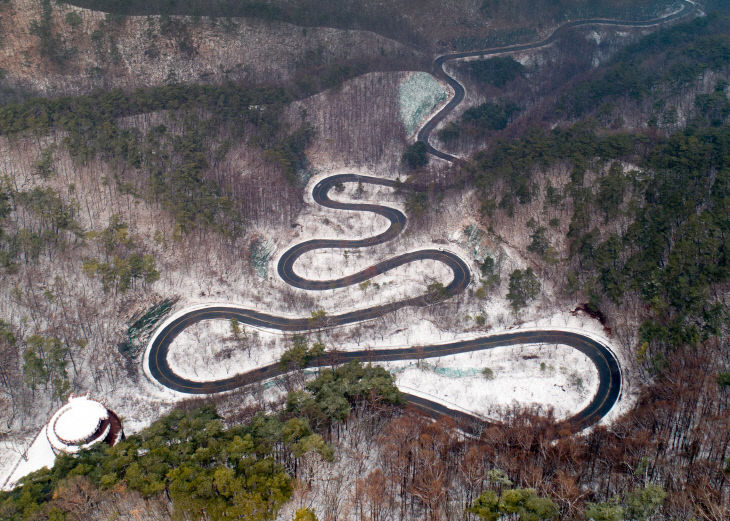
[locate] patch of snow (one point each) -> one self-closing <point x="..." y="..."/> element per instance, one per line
<point x="329" y="264"/>
<point x="208" y="350"/>
<point x="546" y="375"/>
<point x="76" y="421"/>
<point x="418" y="97"/>
<point x="595" y="36"/>
<point x="39" y="455"/>
<point x="554" y="376"/>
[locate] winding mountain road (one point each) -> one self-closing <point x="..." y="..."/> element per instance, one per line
<point x="438" y="65"/>
<point x="609" y="371"/>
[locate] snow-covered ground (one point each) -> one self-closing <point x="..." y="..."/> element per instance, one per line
<point x="355" y="193"/>
<point x="203" y="274"/>
<point x="208" y="350"/>
<point x="39" y="455"/>
<point x="547" y="376"/>
<point x="317" y="222"/>
<point x="567" y="382"/>
<point x="332" y="264"/>
<point x="418" y="97"/>
<point x="554" y="376"/>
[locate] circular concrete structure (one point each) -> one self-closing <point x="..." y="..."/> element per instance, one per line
<point x="81" y="423"/>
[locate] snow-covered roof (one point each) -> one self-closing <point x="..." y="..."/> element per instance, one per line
<point x="76" y="422"/>
<point x="75" y="426"/>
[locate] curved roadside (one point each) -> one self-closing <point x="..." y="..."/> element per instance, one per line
<point x="609" y="370"/>
<point x="398" y="222"/>
<point x="424" y="133"/>
<point x="609" y="373"/>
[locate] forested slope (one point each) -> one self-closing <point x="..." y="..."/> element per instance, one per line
<point x="52" y="49"/>
<point x="630" y="228"/>
<point x="426" y="23"/>
<point x="611" y="185"/>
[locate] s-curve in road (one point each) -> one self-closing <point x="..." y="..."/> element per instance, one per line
<point x="609" y="371"/>
<point x="156" y="358"/>
<point x="688" y="8"/>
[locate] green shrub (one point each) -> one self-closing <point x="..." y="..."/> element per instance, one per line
<point x="523" y="288"/>
<point x="415" y="156"/>
<point x="73" y="19"/>
<point x="496" y="71"/>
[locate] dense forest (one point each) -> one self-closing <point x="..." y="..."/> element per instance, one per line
<point x="226" y="472"/>
<point x="246" y="470"/>
<point x="672" y="248"/>
<point x="399" y="20"/>
<point x="613" y="186"/>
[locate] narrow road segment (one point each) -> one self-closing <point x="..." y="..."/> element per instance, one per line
<point x="609" y="370"/>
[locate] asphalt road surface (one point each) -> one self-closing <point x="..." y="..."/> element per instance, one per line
<point x="609" y="371"/>
<point x="438" y="65"/>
